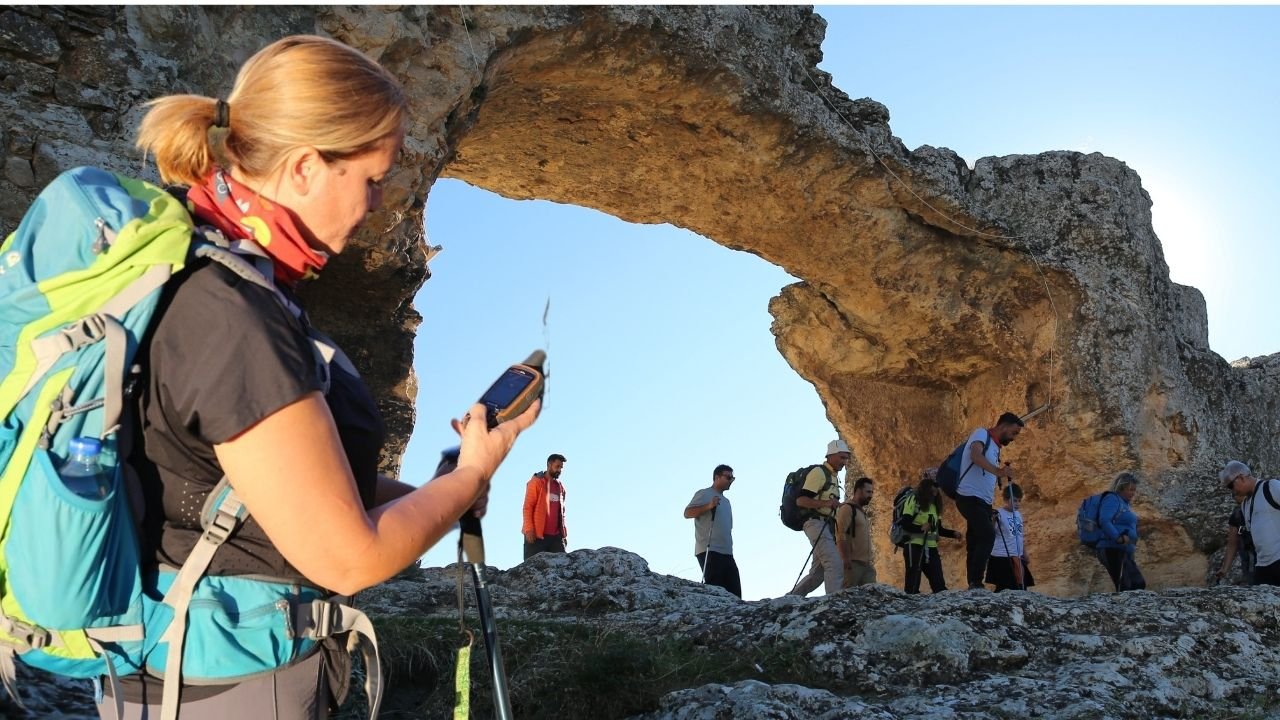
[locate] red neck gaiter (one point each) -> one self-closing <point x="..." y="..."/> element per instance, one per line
<point x="242" y="214"/>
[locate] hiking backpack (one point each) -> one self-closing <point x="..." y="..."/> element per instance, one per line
<point x="950" y="473"/>
<point x="898" y="534"/>
<point x="793" y="516"/>
<point x="80" y="281"/>
<point x="1088" y="519"/>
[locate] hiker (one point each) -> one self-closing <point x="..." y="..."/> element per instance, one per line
<point x="820" y="496"/>
<point x="1261" y="510"/>
<point x="976" y="491"/>
<point x="1239" y="543"/>
<point x="1119" y="525"/>
<point x="232" y="385"/>
<point x="922" y="519"/>
<point x="544" y="528"/>
<point x="712" y="517"/>
<point x="853" y="535"/>
<point x="1008" y="568"/>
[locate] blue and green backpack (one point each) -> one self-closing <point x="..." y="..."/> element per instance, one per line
<point x="80" y="281"/>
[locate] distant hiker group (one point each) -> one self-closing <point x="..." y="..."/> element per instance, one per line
<point x="996" y="552"/>
<point x="981" y="487"/>
<point x="969" y="475"/>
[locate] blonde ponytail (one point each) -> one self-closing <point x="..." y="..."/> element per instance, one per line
<point x="175" y="131"/>
<point x="302" y="90"/>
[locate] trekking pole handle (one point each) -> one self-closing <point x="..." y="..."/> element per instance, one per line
<point x="472" y="538"/>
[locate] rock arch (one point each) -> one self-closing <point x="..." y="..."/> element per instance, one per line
<point x="935" y="295"/>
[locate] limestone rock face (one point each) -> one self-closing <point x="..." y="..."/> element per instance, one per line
<point x="867" y="652"/>
<point x="934" y="296"/>
<point x="877" y="652"/>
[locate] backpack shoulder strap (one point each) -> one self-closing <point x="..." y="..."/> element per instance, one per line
<point x="853" y="519"/>
<point x="965" y="454"/>
<point x="831" y="478"/>
<point x="1266" y="492"/>
<point x="908" y="497"/>
<point x="1097" y="516"/>
<point x="249" y="262"/>
<point x="1253" y="501"/>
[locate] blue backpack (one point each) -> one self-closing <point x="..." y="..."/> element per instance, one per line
<point x="80" y="281"/>
<point x="1088" y="520"/>
<point x="950" y="473"/>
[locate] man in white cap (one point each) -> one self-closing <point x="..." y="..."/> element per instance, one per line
<point x="1261" y="509"/>
<point x="820" y="495"/>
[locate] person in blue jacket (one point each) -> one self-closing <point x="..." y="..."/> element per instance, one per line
<point x="1119" y="526"/>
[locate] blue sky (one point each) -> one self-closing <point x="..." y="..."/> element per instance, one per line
<point x="662" y="362"/>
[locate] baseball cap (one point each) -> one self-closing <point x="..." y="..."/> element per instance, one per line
<point x="1233" y="470"/>
<point x="837" y="446"/>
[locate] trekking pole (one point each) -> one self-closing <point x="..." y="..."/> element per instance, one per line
<point x="706" y="557"/>
<point x="825" y="522"/>
<point x="802" y="567"/>
<point x="471" y="541"/>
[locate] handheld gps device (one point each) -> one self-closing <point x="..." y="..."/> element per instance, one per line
<point x="515" y="390"/>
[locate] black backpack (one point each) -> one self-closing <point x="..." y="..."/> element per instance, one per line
<point x="897" y="530"/>
<point x="793" y="516"/>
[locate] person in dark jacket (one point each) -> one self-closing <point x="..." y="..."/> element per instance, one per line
<point x="1119" y="526"/>
<point x="922" y="519"/>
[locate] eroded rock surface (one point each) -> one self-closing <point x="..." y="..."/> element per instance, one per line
<point x="1203" y="653"/>
<point x="934" y="296"/>
<point x="872" y="651"/>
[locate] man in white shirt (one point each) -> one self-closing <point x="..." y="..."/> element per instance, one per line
<point x="976" y="491"/>
<point x="712" y="517"/>
<point x="1261" y="510"/>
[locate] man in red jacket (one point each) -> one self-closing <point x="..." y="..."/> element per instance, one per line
<point x="543" y="528"/>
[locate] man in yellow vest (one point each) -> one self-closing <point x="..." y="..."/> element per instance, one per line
<point x="820" y="495"/>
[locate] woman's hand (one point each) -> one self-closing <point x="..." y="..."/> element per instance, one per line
<point x="485" y="449"/>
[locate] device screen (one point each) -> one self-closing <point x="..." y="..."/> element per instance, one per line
<point x="507" y="388"/>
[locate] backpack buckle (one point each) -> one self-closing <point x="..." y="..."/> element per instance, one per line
<point x="323" y="615"/>
<point x="86" y="331"/>
<point x="31" y="636"/>
<point x="221" y="527"/>
<point x="38" y="638"/>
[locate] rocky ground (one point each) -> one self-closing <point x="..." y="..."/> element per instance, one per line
<point x="595" y="634"/>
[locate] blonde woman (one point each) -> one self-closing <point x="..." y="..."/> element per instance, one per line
<point x="296" y="161"/>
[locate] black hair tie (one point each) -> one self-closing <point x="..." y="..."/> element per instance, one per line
<point x="222" y="115"/>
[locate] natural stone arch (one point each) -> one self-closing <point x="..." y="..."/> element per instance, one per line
<point x="918" y="318"/>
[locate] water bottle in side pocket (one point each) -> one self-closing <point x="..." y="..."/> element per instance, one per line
<point x="82" y="472"/>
